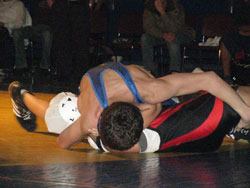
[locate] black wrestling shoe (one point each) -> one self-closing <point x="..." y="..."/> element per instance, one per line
<point x="24" y="116"/>
<point x="242" y="134"/>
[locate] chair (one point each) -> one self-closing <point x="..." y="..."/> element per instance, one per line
<point x="212" y="25"/>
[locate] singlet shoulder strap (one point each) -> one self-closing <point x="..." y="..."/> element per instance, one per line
<point x="125" y="75"/>
<point x="96" y="78"/>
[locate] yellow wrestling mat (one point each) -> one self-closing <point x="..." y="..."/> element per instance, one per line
<point x="19" y="147"/>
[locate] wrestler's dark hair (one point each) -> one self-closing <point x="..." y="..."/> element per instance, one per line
<point x="120" y="125"/>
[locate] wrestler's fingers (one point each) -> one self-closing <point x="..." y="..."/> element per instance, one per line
<point x="243" y="124"/>
<point x="93" y="131"/>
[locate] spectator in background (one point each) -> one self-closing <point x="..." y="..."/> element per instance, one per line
<point x="41" y="27"/>
<point x="12" y="15"/>
<point x="71" y="26"/>
<point x="236" y="45"/>
<point x="164" y="23"/>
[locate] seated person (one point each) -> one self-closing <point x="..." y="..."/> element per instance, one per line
<point x="109" y="83"/>
<point x="164" y="23"/>
<point x="197" y="125"/>
<point x="41" y="27"/>
<point x="236" y="46"/>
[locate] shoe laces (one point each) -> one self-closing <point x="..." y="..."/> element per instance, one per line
<point x="21" y="112"/>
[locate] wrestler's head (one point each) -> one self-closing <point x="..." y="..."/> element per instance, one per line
<point x="120" y="126"/>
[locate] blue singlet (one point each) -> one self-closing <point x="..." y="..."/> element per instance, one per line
<point x="96" y="78"/>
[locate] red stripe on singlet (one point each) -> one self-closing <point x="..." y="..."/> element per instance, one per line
<point x="158" y="121"/>
<point x="208" y="126"/>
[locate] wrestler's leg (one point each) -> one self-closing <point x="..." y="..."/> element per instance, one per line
<point x="57" y="117"/>
<point x="40" y="107"/>
<point x="242" y="132"/>
<point x="244" y="92"/>
<point x="58" y="114"/>
<point x="35" y="105"/>
<point x="20" y="98"/>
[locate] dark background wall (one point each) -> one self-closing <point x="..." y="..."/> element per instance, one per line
<point x="191" y="6"/>
<point x="206" y="6"/>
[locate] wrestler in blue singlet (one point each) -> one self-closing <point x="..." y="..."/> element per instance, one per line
<point x="96" y="78"/>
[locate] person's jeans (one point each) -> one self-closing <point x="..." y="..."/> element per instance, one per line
<point x="148" y="42"/>
<point x="41" y="31"/>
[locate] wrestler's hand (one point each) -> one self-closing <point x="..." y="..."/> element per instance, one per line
<point x="93" y="132"/>
<point x="243" y="124"/>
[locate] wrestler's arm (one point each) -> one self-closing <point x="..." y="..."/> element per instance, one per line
<point x="80" y="128"/>
<point x="70" y="136"/>
<point x="89" y="108"/>
<point x="77" y="130"/>
<point x="186" y="83"/>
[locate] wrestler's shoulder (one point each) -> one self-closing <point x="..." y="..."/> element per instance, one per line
<point x="133" y="66"/>
<point x="84" y="83"/>
<point x="139" y="71"/>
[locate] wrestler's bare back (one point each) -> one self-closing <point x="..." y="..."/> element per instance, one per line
<point x="116" y="90"/>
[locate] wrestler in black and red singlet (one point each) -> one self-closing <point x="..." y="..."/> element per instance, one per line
<point x="197" y="125"/>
